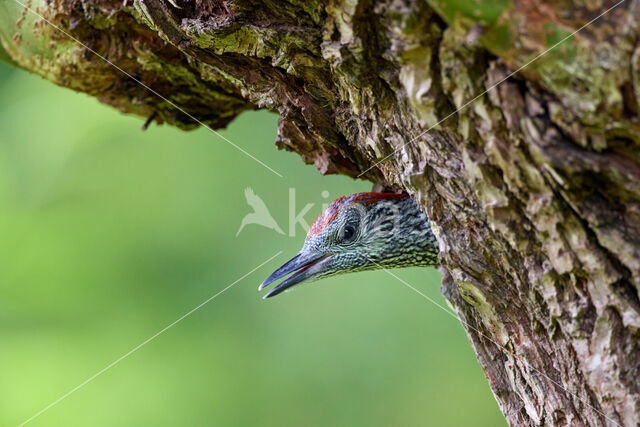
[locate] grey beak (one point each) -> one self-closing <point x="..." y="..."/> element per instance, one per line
<point x="302" y="267"/>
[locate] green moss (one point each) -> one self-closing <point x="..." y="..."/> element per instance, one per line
<point x="486" y="12"/>
<point x="474" y="297"/>
<point x="565" y="49"/>
<point x="497" y="34"/>
<point x="22" y="38"/>
<point x="499" y="38"/>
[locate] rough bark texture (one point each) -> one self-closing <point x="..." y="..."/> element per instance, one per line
<point x="533" y="189"/>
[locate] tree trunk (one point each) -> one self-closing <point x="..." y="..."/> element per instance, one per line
<point x="533" y="189"/>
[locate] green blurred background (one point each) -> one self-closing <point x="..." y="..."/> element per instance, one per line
<point x="110" y="233"/>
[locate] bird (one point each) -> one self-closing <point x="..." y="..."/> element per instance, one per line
<point x="362" y="231"/>
<point x="260" y="214"/>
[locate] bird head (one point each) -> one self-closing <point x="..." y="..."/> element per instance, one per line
<point x="362" y="231"/>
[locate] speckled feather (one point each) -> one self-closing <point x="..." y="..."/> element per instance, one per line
<point x="363" y="231"/>
<point x="392" y="231"/>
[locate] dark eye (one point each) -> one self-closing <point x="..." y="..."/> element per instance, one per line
<point x="348" y="233"/>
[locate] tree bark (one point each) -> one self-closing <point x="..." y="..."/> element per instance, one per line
<point x="533" y="189"/>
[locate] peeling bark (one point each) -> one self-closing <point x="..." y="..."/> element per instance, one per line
<point x="533" y="189"/>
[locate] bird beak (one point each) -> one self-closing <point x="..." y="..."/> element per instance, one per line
<point x="303" y="267"/>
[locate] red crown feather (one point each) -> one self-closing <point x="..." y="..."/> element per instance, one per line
<point x="330" y="213"/>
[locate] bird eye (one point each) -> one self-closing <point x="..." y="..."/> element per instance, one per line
<point x="348" y="233"/>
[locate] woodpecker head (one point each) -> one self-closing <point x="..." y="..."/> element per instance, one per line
<point x="363" y="231"/>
